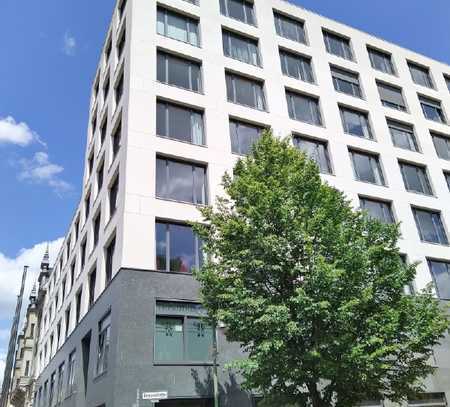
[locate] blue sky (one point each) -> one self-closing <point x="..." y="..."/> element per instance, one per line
<point x="50" y="52"/>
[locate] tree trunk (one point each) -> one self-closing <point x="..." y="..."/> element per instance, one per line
<point x="316" y="397"/>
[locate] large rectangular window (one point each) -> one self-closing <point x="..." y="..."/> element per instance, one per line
<point x="338" y="45"/>
<point x="346" y="82"/>
<point x="381" y="61"/>
<point x="403" y="135"/>
<point x="432" y="109"/>
<point x="367" y="167"/>
<point x="178" y="26"/>
<point x="420" y="75"/>
<point x="104" y="334"/>
<point x="241" y="10"/>
<point x="178" y="249"/>
<point x="181" y="333"/>
<point x="316" y="150"/>
<point x="179" y="123"/>
<point x="304" y="108"/>
<point x="391" y="96"/>
<point x="441" y="275"/>
<point x="415" y="178"/>
<point x="356" y="123"/>
<point x="296" y="66"/>
<point x="430" y="226"/>
<point x="380" y="210"/>
<point x="71" y="374"/>
<point x="442" y="145"/>
<point x="243" y="136"/>
<point x="181" y="181"/>
<point x="245" y="91"/>
<point x="180" y="72"/>
<point x="242" y="48"/>
<point x="290" y="28"/>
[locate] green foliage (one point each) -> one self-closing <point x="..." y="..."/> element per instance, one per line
<point x="313" y="290"/>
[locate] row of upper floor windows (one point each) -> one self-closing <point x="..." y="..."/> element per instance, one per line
<point x="184" y="28"/>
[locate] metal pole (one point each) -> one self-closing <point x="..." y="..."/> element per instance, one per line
<point x="215" y="374"/>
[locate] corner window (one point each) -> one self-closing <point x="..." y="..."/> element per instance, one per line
<point x="430" y="226"/>
<point x="177" y="26"/>
<point x="181" y="181"/>
<point x="242" y="48"/>
<point x="245" y="91"/>
<point x="380" y="210"/>
<point x="180" y="72"/>
<point x="442" y="145"/>
<point x="415" y="178"/>
<point x="381" y="61"/>
<point x="316" y="150"/>
<point x="356" y="123"/>
<point x="338" y="45"/>
<point x="440" y="271"/>
<point x="104" y="333"/>
<point x="346" y="82"/>
<point x="403" y="135"/>
<point x="179" y="123"/>
<point x="296" y="66"/>
<point x="391" y="96"/>
<point x="367" y="167"/>
<point x="290" y="28"/>
<point x="420" y="75"/>
<point x="304" y="108"/>
<point x="243" y="136"/>
<point x="241" y="10"/>
<point x="432" y="109"/>
<point x="182" y="334"/>
<point x="178" y="249"/>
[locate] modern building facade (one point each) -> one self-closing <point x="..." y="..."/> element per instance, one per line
<point x="182" y="90"/>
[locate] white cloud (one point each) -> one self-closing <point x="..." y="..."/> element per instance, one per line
<point x="41" y="170"/>
<point x="69" y="44"/>
<point x="12" y="132"/>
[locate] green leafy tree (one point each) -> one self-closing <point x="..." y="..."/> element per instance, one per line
<point x="311" y="289"/>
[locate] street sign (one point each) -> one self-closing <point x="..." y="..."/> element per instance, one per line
<point x="155" y="396"/>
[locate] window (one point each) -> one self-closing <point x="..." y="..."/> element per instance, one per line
<point x="52" y="389"/>
<point x="60" y="388"/>
<point x="113" y="193"/>
<point x="420" y="75"/>
<point x="109" y="260"/>
<point x="45" y="393"/>
<point x="447" y="178"/>
<point x="304" y="108"/>
<point x="83" y="255"/>
<point x="337" y="45"/>
<point x="121" y="8"/>
<point x="442" y="145"/>
<point x="121" y="44"/>
<point x="241" y="10"/>
<point x="245" y="91"/>
<point x="87" y="205"/>
<point x="316" y="150"/>
<point x="391" y="96"/>
<point x="27" y="368"/>
<point x="242" y="48"/>
<point x="178" y="249"/>
<point x="181" y="334"/>
<point x="108" y="49"/>
<point x="380" y="210"/>
<point x="104" y="333"/>
<point x="96" y="229"/>
<point x="428" y="399"/>
<point x="346" y="82"/>
<point x="92" y="284"/>
<point x="115" y="140"/>
<point x="181" y="181"/>
<point x="32" y="328"/>
<point x="71" y="373"/>
<point x="90" y="164"/>
<point x="195" y="2"/>
<point x="290" y="28"/>
<point x="100" y="174"/>
<point x="103" y="129"/>
<point x="179" y="123"/>
<point x="403" y="135"/>
<point x="177" y="27"/>
<point x="447" y="81"/>
<point x="77" y="228"/>
<point x="356" y="123"/>
<point x="243" y="136"/>
<point x="106" y="84"/>
<point x="180" y="72"/>
<point x="415" y="178"/>
<point x="67" y="322"/>
<point x="430" y="227"/>
<point x="381" y="61"/>
<point x="432" y="109"/>
<point x="296" y="66"/>
<point x="118" y="90"/>
<point x="367" y="167"/>
<point x="78" y="298"/>
<point x="94" y="123"/>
